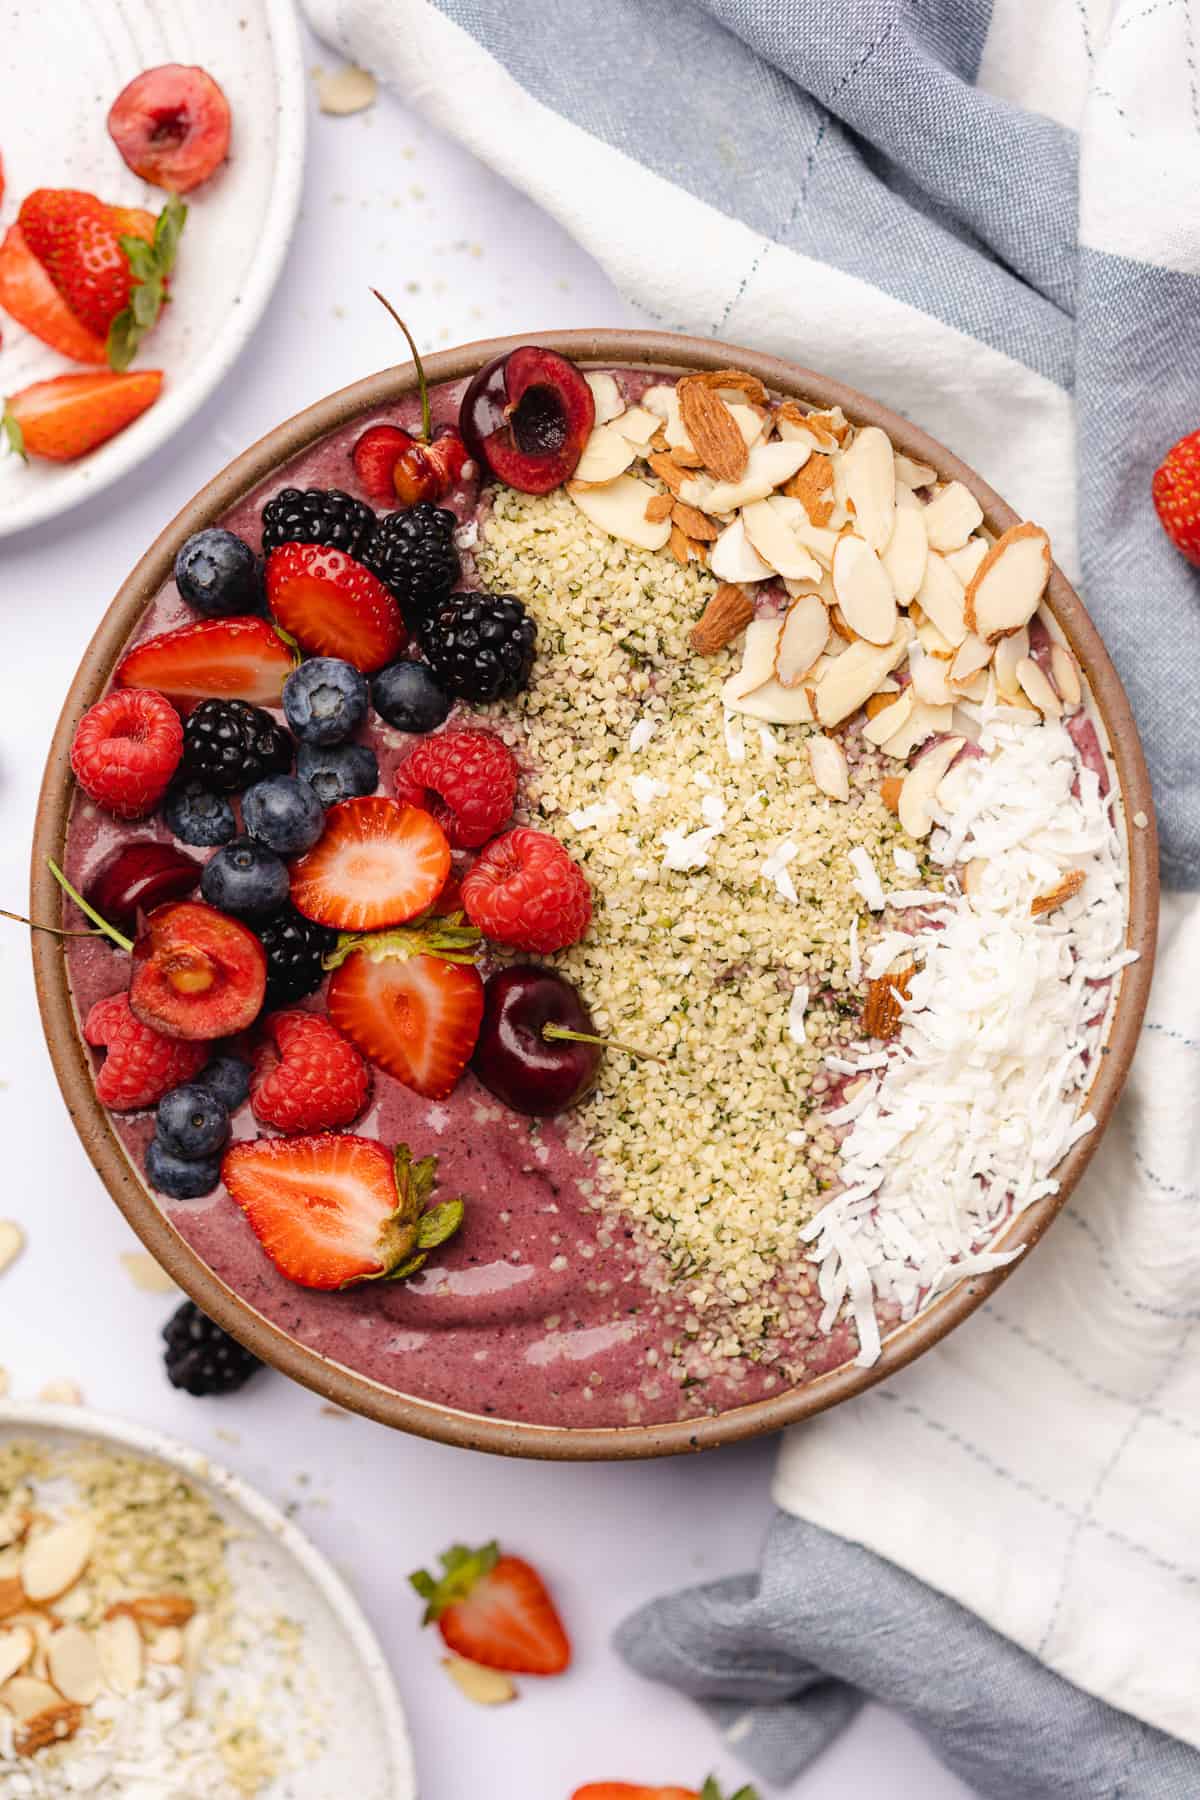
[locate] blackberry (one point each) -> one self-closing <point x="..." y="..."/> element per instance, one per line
<point x="229" y="744"/>
<point x="317" y="516"/>
<point x="413" y="554"/>
<point x="201" y="1357"/>
<point x="480" y="646"/>
<point x="295" y="948"/>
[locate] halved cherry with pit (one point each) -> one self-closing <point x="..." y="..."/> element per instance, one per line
<point x="171" y="125"/>
<point x="197" y="973"/>
<point x="527" y="416"/>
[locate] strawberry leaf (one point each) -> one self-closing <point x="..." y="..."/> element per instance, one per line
<point x="14" y="437"/>
<point x="439" y="1224"/>
<point x="150" y="265"/>
<point x="415" y="1182"/>
<point x="462" y="1569"/>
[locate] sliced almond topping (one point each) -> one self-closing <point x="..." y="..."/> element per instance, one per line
<point x="888" y="718"/>
<point x="12" y="1242"/>
<point x="1062" y="890"/>
<point x="923" y="722"/>
<point x="913" y="474"/>
<point x="849" y="681"/>
<point x="53" y="1725"/>
<point x="863" y="589"/>
<point x="1004" y="591"/>
<point x="906" y="554"/>
<point x="951" y="517"/>
<point x="73" y="1663"/>
<point x="25" y="1696"/>
<point x="677" y="544"/>
<point x="770" y="537"/>
<point x="774" y="704"/>
<point x="879" y="702"/>
<point x="734" y="557"/>
<point x="728" y="612"/>
<point x="768" y="466"/>
<point x="54" y="1560"/>
<point x="830" y="770"/>
<point x="738" y="381"/>
<point x="610" y="402"/>
<point x="165" y="1646"/>
<point x="16" y="1648"/>
<point x="667" y="470"/>
<point x="12" y="1596"/>
<point x="930" y="681"/>
<point x="889" y="792"/>
<point x="915" y="801"/>
<point x="758" y="660"/>
<point x="1065" y="671"/>
<point x="659" y="507"/>
<point x="154" y="1609"/>
<point x="685" y="457"/>
<point x="813" y="487"/>
<point x="870" y="470"/>
<point x="971" y="656"/>
<point x="843" y="626"/>
<point x="1008" y="653"/>
<point x="966" y="561"/>
<point x="346" y="90"/>
<point x="882" y="1012"/>
<point x="976" y="688"/>
<point x="942" y="599"/>
<point x="619" y="508"/>
<point x="486" y="1687"/>
<point x="14" y="1523"/>
<point x="606" y="455"/>
<point x="693" y="523"/>
<point x="929" y="637"/>
<point x="803" y="637"/>
<point x="119" y="1644"/>
<point x="791" y="418"/>
<point x="637" y="424"/>
<point x="1035" y="684"/>
<point x="713" y="429"/>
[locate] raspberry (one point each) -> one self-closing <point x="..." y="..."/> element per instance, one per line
<point x="309" y="1077"/>
<point x="126" y="749"/>
<point x="141" y="1065"/>
<point x="525" y="892"/>
<point x="466" y="779"/>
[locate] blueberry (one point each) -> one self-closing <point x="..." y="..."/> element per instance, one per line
<point x="325" y="700"/>
<point x="192" y="1122"/>
<point x="407" y="695"/>
<point x="195" y="816"/>
<point x="228" y="1077"/>
<point x="245" y="878"/>
<point x="181" y="1178"/>
<point x="283" y="811"/>
<point x="338" y="773"/>
<point x="219" y="575"/>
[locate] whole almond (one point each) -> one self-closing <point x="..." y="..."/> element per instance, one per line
<point x="728" y="612"/>
<point x="713" y="430"/>
<point x="881" y="1013"/>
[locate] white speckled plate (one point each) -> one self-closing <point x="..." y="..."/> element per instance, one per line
<point x="61" y="66"/>
<point x="276" y="1570"/>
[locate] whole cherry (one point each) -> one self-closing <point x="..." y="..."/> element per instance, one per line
<point x="392" y="464"/>
<point x="538" y="1050"/>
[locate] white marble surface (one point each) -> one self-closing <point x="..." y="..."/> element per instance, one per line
<point x="389" y="203"/>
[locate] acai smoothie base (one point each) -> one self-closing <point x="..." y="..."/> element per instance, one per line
<point x="860" y="959"/>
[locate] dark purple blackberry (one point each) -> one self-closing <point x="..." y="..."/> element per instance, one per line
<point x="317" y="516"/>
<point x="480" y="646"/>
<point x="296" y="948"/>
<point x="229" y="744"/>
<point x="413" y="554"/>
<point x="202" y="1358"/>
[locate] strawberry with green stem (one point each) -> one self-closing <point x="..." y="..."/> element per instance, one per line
<point x="494" y="1609"/>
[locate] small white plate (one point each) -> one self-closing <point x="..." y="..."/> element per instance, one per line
<point x="274" y="1567"/>
<point x="61" y="67"/>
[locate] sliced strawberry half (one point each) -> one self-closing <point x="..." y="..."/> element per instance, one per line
<point x="377" y="863"/>
<point x="494" y="1610"/>
<point x="197" y="973"/>
<point x="410" y="1007"/>
<point x="335" y="1209"/>
<point x="29" y="296"/>
<point x="229" y="659"/>
<point x="333" y="606"/>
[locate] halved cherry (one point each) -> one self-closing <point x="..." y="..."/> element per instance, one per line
<point x="138" y="877"/>
<point x="171" y="125"/>
<point x="527" y="416"/>
<point x="197" y="973"/>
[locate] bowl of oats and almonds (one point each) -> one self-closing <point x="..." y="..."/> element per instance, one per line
<point x="631" y="908"/>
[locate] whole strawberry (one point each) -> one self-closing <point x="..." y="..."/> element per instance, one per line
<point x="126" y="749"/>
<point x="307" y="1077"/>
<point x="141" y="1064"/>
<point x="1176" y="491"/>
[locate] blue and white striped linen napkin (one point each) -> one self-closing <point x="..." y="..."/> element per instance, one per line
<point x="982" y="211"/>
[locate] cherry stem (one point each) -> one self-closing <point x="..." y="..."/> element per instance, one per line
<point x="102" y="925"/>
<point x="553" y="1032"/>
<point x="54" y="930"/>
<point x="426" y="417"/>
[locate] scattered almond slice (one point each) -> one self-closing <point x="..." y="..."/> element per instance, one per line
<point x="712" y="429"/>
<point x="1008" y="653"/>
<point x="864" y="590"/>
<point x="966" y="561"/>
<point x="870" y="471"/>
<point x="25" y="1696"/>
<point x="906" y="553"/>
<point x="659" y="508"/>
<point x="677" y="544"/>
<point x="1035" y="684"/>
<point x="748" y="388"/>
<point x="882" y="1010"/>
<point x="637" y="424"/>
<point x="923" y="722"/>
<point x="346" y="90"/>
<point x="914" y="474"/>
<point x="889" y="792"/>
<point x="12" y="1596"/>
<point x="63" y="1392"/>
<point x="888" y="718"/>
<point x="734" y="557"/>
<point x="803" y="637"/>
<point x="812" y="485"/>
<point x="53" y="1725"/>
<point x="1004" y="591"/>
<point x="667" y="470"/>
<point x="606" y="455"/>
<point x="942" y="599"/>
<point x="849" y="681"/>
<point x="771" y="539"/>
<point x="694" y="523"/>
<point x="1065" y="671"/>
<point x="951" y="517"/>
<point x="620" y="510"/>
<point x="750" y="420"/>
<point x="610" y="402"/>
<point x="915" y="802"/>
<point x="119" y="1646"/>
<point x="774" y="704"/>
<point x="486" y="1687"/>
<point x="146" y="1273"/>
<point x="930" y="679"/>
<point x="154" y="1609"/>
<point x="54" y="1560"/>
<point x="971" y="656"/>
<point x="73" y="1663"/>
<point x="768" y="466"/>
<point x="12" y="1242"/>
<point x="166" y="1646"/>
<point x="830" y="770"/>
<point x="727" y="613"/>
<point x="1062" y="891"/>
<point x="16" y="1648"/>
<point x="758" y="660"/>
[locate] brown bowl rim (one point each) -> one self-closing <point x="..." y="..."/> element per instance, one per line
<point x="344" y="1387"/>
